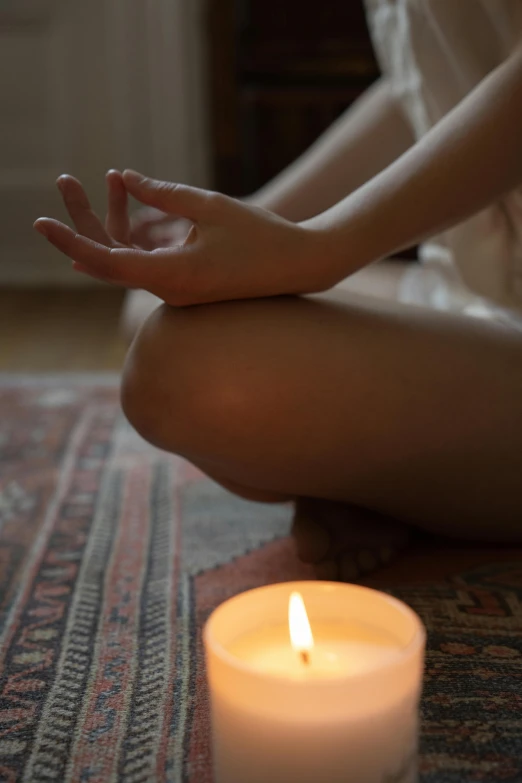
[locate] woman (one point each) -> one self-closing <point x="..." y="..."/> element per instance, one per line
<point x="376" y="399"/>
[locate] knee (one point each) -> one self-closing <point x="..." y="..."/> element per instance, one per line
<point x="157" y="388"/>
<point x="179" y="390"/>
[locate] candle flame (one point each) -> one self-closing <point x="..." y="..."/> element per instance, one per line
<point x="300" y="631"/>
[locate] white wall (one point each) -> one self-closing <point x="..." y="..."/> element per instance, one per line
<point x="85" y="86"/>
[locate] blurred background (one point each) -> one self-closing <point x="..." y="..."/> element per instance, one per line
<point x="215" y="93"/>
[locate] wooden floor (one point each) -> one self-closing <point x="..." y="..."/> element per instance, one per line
<point x="61" y="330"/>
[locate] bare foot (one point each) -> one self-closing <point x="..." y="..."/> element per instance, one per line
<point x="343" y="541"/>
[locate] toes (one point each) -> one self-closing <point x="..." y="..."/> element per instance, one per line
<point x="352" y="565"/>
<point x="327" y="570"/>
<point x="348" y="566"/>
<point x="345" y="542"/>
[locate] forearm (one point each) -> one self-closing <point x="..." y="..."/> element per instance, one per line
<point x="364" y="140"/>
<point x="467" y="161"/>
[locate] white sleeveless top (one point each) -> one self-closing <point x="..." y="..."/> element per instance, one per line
<point x="434" y="52"/>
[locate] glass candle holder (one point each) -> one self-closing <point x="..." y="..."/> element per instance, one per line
<point x="345" y="710"/>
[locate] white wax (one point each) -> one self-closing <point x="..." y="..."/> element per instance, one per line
<point x="339" y="649"/>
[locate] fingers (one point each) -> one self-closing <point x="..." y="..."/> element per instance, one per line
<point x="149" y="217"/>
<point x="191" y="203"/>
<point x="80" y="211"/>
<point x="165" y="273"/>
<point x="173" y="234"/>
<point x="144" y="226"/>
<point x="117" y="223"/>
<point x="121" y="265"/>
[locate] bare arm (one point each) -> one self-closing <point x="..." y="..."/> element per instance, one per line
<point x="236" y="251"/>
<point x="365" y="139"/>
<point x="467" y="161"/>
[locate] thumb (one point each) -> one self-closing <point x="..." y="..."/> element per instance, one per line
<point x="171" y="197"/>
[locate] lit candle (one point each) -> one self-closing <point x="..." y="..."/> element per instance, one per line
<point x="313" y="682"/>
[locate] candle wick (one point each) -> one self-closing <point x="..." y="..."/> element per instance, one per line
<point x="305" y="657"/>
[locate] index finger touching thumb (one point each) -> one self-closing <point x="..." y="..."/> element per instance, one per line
<point x="171" y="197"/>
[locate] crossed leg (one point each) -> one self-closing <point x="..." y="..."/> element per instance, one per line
<point x="398" y="412"/>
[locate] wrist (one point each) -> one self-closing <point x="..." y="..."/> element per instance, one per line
<point x="324" y="256"/>
<point x="343" y="248"/>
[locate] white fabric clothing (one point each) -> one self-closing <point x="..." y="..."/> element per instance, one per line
<point x="434" y="52"/>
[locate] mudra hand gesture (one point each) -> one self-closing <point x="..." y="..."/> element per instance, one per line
<point x="231" y="251"/>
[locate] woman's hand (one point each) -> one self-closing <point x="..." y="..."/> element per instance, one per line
<point x="151" y="228"/>
<point x="232" y="251"/>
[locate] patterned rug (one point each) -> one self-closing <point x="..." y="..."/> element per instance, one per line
<point x="112" y="555"/>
